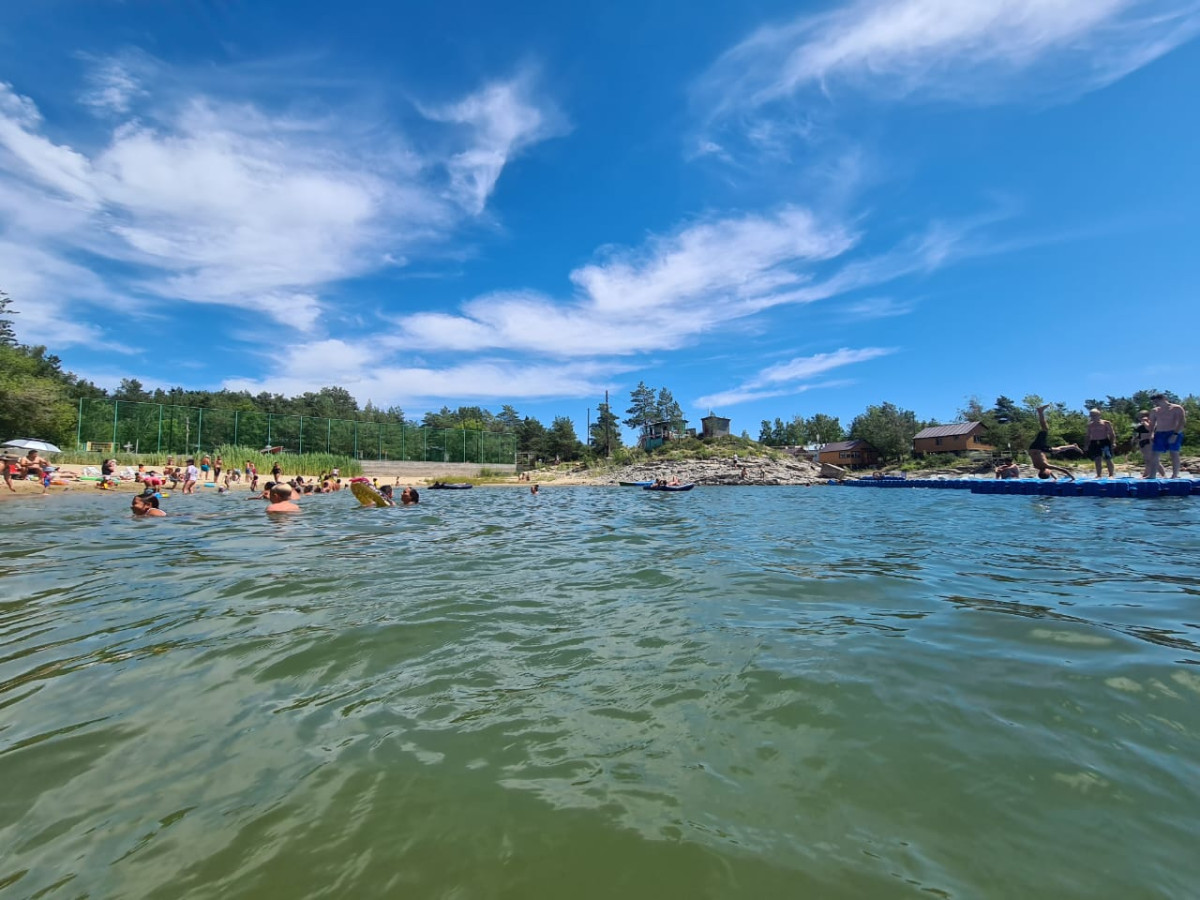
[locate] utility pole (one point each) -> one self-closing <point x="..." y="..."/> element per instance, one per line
<point x="607" y="428"/>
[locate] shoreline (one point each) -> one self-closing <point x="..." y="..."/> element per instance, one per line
<point x="758" y="472"/>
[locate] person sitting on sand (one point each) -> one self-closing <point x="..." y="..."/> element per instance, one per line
<point x="146" y="504"/>
<point x="33" y="464"/>
<point x="1008" y="469"/>
<point x="1041" y="446"/>
<point x="281" y="500"/>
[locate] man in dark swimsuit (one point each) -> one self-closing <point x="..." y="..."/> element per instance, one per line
<point x="1041" y="446"/>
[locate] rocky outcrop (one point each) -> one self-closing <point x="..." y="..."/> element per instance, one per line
<point x="754" y="471"/>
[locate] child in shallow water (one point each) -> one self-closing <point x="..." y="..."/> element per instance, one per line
<point x="145" y="505"/>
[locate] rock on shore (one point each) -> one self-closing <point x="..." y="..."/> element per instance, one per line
<point x="723" y="472"/>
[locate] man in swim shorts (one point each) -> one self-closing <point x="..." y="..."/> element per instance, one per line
<point x="1101" y="438"/>
<point x="1167" y="420"/>
<point x="1041" y="446"/>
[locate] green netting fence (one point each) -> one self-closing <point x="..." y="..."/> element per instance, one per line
<point x="110" y="425"/>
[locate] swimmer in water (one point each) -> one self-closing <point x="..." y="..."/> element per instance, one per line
<point x="146" y="505"/>
<point x="281" y="500"/>
<point x="409" y="496"/>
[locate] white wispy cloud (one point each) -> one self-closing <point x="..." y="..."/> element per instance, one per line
<point x="973" y="51"/>
<point x="115" y="83"/>
<point x="657" y="297"/>
<point x="793" y="377"/>
<point x="368" y="371"/>
<point x="223" y="202"/>
<point x="503" y="119"/>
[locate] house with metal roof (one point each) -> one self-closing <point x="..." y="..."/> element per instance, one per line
<point x="849" y="454"/>
<point x="958" y="438"/>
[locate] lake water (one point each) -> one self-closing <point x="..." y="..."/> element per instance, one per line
<point x="595" y="693"/>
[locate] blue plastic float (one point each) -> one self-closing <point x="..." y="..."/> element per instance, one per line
<point x="1091" y="487"/>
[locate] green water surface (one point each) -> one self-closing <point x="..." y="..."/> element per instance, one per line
<point x="779" y="692"/>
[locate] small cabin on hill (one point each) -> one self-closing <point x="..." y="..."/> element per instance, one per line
<point x="849" y="454"/>
<point x="958" y="438"/>
<point x="655" y="434"/>
<point x="714" y="426"/>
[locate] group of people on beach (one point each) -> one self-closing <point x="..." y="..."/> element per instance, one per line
<point x="1157" y="431"/>
<point x="21" y="468"/>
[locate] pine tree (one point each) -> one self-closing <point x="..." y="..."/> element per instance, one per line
<point x="643" y="408"/>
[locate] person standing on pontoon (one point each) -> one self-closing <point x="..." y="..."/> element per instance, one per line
<point x="1167" y="420"/>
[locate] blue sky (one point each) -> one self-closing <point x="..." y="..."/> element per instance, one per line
<point x="772" y="210"/>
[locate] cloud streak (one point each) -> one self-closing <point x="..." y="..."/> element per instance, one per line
<point x="793" y="376"/>
<point x="980" y="51"/>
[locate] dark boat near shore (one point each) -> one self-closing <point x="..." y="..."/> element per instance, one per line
<point x="454" y="486"/>
<point x="669" y="487"/>
<point x="635" y="483"/>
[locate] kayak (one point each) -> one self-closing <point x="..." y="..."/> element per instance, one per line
<point x="456" y="486"/>
<point x="635" y="483"/>
<point x="669" y="487"/>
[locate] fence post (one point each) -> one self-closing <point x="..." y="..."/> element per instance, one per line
<point x="79" y="427"/>
<point x="116" y="406"/>
<point x="159" y="449"/>
<point x="199" y="428"/>
<point x="269" y="444"/>
<point x="301" y="451"/>
<point x="328" y="433"/>
<point x="356" y="439"/>
<point x="235" y="429"/>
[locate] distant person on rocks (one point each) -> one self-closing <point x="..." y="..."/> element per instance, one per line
<point x="1167" y="420"/>
<point x="1101" y="440"/>
<point x="217" y="464"/>
<point x="1041" y="446"/>
<point x="1143" y="434"/>
<point x="281" y="500"/>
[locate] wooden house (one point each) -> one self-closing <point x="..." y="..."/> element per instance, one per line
<point x="655" y="434"/>
<point x="714" y="426"/>
<point x="849" y="454"/>
<point x="957" y="438"/>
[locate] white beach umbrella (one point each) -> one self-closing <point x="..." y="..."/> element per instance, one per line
<point x="29" y="444"/>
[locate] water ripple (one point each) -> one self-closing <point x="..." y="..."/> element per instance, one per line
<point x="731" y="692"/>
